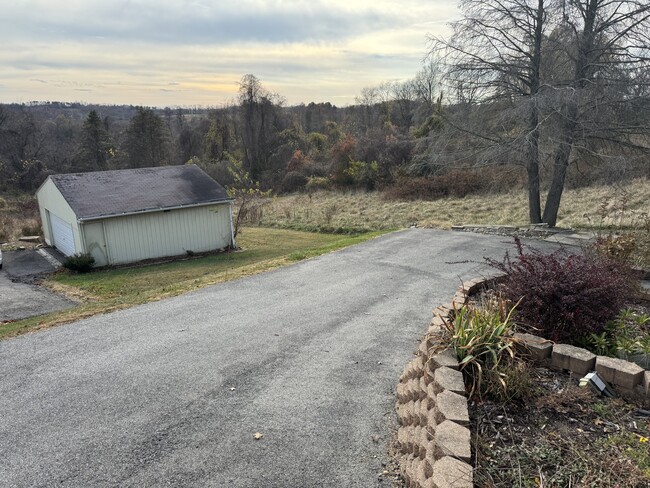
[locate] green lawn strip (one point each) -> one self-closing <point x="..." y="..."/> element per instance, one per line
<point x="262" y="249"/>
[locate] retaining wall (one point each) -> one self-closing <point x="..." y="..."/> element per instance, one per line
<point x="433" y="438"/>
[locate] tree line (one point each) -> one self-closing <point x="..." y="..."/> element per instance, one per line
<point x="536" y="94"/>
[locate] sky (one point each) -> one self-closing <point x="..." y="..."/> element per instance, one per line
<point x="194" y="52"/>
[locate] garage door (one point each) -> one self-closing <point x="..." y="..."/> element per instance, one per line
<point x="62" y="235"/>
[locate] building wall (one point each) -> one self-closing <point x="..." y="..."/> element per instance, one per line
<point x="51" y="200"/>
<point x="159" y="234"/>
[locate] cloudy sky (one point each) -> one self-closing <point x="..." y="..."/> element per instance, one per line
<point x="193" y="52"/>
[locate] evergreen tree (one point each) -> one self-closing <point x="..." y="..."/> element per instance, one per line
<point x="147" y="140"/>
<point x="95" y="148"/>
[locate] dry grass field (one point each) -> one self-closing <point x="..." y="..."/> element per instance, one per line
<point x="625" y="206"/>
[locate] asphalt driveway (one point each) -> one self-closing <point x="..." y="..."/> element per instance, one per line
<point x="19" y="297"/>
<point x="171" y="393"/>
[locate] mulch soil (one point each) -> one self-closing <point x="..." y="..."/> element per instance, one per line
<point x="559" y="434"/>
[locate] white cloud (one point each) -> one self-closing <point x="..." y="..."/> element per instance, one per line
<point x="194" y="51"/>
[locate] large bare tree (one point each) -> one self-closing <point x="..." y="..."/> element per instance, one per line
<point x="565" y="71"/>
<point x="608" y="45"/>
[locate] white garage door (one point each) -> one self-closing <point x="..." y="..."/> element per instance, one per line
<point x="62" y="235"/>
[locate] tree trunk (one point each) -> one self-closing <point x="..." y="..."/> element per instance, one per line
<point x="562" y="158"/>
<point x="534" y="208"/>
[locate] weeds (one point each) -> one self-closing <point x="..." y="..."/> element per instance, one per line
<point x="481" y="337"/>
<point x="626" y="337"/>
<point x="623" y="231"/>
<point x="563" y="436"/>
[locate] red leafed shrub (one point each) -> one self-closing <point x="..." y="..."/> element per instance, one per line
<point x="564" y="296"/>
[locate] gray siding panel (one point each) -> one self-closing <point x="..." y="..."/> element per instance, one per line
<point x="145" y="236"/>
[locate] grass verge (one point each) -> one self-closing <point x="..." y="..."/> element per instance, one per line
<point x="109" y="290"/>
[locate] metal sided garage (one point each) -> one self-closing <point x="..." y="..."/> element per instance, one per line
<point x="131" y="215"/>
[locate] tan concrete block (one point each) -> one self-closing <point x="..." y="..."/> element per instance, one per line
<point x="448" y="472"/>
<point x="404" y="377"/>
<point x="448" y="379"/>
<point x="436" y="336"/>
<point x="453" y="440"/>
<point x="413" y="369"/>
<point x="619" y="373"/>
<point x="416" y="413"/>
<point x="646" y="384"/>
<point x="403" y="440"/>
<point x="402" y="393"/>
<point x="451" y="406"/>
<point x="423" y="349"/>
<point x="438" y="321"/>
<point x="419" y="477"/>
<point x="424" y="382"/>
<point x="414" y="389"/>
<point x="475" y="285"/>
<point x="575" y="359"/>
<point x="446" y="358"/>
<point x="537" y="348"/>
<point x="432" y="392"/>
<point x="431" y="421"/>
<point x="406" y="468"/>
<point x="432" y="451"/>
<point x="418" y="365"/>
<point x="459" y="300"/>
<point x="404" y="414"/>
<point x="424" y="412"/>
<point x="423" y="441"/>
<point x="427" y="470"/>
<point x="408" y="414"/>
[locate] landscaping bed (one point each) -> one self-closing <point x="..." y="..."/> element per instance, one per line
<point x="557" y="433"/>
<point x="561" y="435"/>
<point x="530" y="423"/>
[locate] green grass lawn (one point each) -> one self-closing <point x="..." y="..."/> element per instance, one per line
<point x="104" y="291"/>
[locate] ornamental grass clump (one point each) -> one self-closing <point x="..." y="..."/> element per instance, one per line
<point x="482" y="338"/>
<point x="564" y="297"/>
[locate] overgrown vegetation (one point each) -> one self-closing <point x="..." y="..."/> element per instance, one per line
<point x="623" y="229"/>
<point x="626" y="337"/>
<point x="481" y="337"/>
<point x="561" y="436"/>
<point x="564" y="297"/>
<point x="534" y="427"/>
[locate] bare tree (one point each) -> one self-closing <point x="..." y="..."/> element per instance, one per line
<point x="609" y="46"/>
<point x="568" y="68"/>
<point x="494" y="56"/>
<point x="260" y="123"/>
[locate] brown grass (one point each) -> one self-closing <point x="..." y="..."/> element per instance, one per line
<point x="18" y="217"/>
<point x="621" y="205"/>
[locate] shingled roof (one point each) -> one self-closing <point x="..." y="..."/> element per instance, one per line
<point x="112" y="193"/>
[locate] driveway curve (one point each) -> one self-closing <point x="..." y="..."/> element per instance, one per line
<point x="171" y="393"/>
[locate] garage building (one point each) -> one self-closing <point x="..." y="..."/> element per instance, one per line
<point x="130" y="215"/>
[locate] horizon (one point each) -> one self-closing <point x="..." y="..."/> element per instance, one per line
<point x="170" y="54"/>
